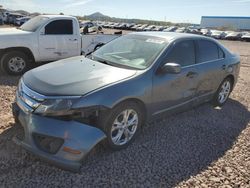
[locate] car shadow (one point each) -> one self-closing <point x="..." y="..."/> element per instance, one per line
<point x="167" y="152"/>
<point x="172" y="149"/>
<point x="7" y="80"/>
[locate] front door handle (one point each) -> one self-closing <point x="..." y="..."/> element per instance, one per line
<point x="73" y="39"/>
<point x="191" y="74"/>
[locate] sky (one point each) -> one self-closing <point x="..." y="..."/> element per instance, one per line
<point x="162" y="10"/>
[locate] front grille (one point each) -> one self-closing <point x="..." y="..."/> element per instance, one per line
<point x="27" y="99"/>
<point x="47" y="143"/>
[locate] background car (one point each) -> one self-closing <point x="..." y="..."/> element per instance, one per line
<point x="134" y="28"/>
<point x="234" y="36"/>
<point x="22" y="20"/>
<point x="218" y="34"/>
<point x="246" y="37"/>
<point x="121" y="26"/>
<point x="142" y="27"/>
<point x="1" y="20"/>
<point x="12" y="18"/>
<point x="159" y="28"/>
<point x="91" y="27"/>
<point x="149" y="28"/>
<point x="170" y="29"/>
<point x="181" y="30"/>
<point x="194" y="31"/>
<point x="129" y="26"/>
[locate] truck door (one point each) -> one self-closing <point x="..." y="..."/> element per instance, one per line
<point x="58" y="40"/>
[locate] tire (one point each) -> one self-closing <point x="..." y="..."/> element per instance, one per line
<point x="15" y="63"/>
<point x="107" y="123"/>
<point x="227" y="86"/>
<point x="99" y="28"/>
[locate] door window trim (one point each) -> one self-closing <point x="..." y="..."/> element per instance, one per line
<point x="204" y="62"/>
<point x="170" y="48"/>
<point x="73" y="28"/>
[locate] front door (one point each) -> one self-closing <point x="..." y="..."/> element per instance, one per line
<point x="57" y="40"/>
<point x="175" y="90"/>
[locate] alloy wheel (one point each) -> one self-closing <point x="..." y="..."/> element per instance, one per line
<point x="224" y="92"/>
<point x="124" y="127"/>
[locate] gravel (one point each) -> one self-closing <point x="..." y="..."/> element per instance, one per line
<point x="203" y="147"/>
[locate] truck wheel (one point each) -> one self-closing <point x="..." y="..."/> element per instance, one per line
<point x="122" y="125"/>
<point x="15" y="63"/>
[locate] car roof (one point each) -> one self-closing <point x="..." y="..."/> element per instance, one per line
<point x="56" y="16"/>
<point x="170" y="36"/>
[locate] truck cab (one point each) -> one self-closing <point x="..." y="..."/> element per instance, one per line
<point x="44" y="38"/>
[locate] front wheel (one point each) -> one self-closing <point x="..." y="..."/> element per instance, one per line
<point x="122" y="125"/>
<point x="15" y="63"/>
<point x="222" y="94"/>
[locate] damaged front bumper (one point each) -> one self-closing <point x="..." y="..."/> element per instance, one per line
<point x="62" y="143"/>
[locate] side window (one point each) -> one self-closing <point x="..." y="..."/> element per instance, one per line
<point x="207" y="51"/>
<point x="183" y="53"/>
<point x="59" y="27"/>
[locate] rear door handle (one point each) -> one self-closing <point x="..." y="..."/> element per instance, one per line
<point x="191" y="74"/>
<point x="73" y="39"/>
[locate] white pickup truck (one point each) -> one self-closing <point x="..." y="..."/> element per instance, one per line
<point x="45" y="38"/>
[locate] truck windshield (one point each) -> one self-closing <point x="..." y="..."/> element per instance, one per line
<point x="132" y="51"/>
<point x="33" y="24"/>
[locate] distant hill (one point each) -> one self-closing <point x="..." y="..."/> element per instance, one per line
<point x="97" y="16"/>
<point x="21" y="12"/>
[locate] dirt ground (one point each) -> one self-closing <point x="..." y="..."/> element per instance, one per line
<point x="203" y="147"/>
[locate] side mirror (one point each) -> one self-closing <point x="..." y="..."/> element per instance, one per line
<point x="172" y="68"/>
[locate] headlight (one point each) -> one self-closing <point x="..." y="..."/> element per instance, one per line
<point x="55" y="107"/>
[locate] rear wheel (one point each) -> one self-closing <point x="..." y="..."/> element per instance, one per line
<point x="122" y="125"/>
<point x="223" y="92"/>
<point x="15" y="63"/>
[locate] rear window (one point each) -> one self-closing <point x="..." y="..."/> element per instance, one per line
<point x="59" y="27"/>
<point x="208" y="51"/>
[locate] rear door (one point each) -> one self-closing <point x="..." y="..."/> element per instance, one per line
<point x="210" y="65"/>
<point x="58" y="40"/>
<point x="171" y="91"/>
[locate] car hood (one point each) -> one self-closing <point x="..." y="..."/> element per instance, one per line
<point x="12" y="31"/>
<point x="74" y="76"/>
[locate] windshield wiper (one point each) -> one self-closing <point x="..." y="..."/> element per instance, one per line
<point x="101" y="60"/>
<point x="104" y="62"/>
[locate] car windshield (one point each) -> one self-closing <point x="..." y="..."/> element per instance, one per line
<point x="33" y="24"/>
<point x="131" y="51"/>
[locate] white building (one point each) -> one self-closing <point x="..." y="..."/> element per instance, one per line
<point x="230" y="22"/>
